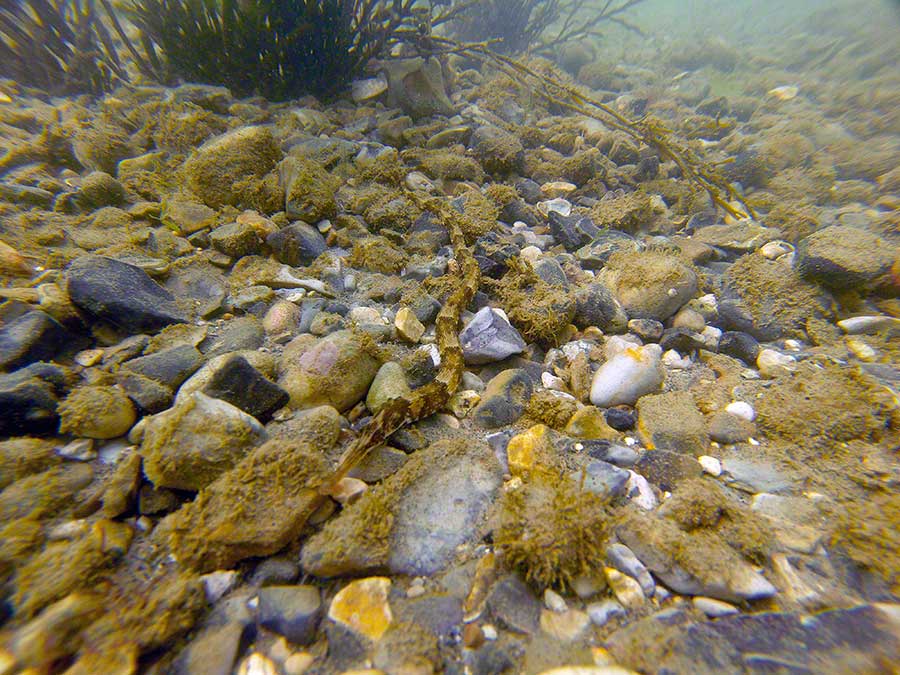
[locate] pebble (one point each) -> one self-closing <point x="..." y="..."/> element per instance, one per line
<point x="362" y="606"/>
<point x="291" y="611"/>
<point x="623" y="559"/>
<point x="859" y="325"/>
<point x="217" y="584"/>
<point x="558" y="205"/>
<point x="81" y="449"/>
<point x="565" y="626"/>
<point x="772" y="364"/>
<point x="408" y="325"/>
<point x="626" y="377"/>
<point x="861" y="349"/>
<point x="602" y="612"/>
<point x="627" y="591"/>
<point x="554" y="601"/>
<point x="713" y="608"/>
<point x="710" y="465"/>
<point x="489" y="337"/>
<point x="742" y="410"/>
<point x="257" y="664"/>
<point x="640" y="492"/>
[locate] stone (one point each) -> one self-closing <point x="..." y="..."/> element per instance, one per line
<point x="739" y="345"/>
<point x="667" y="469"/>
<point x="843" y="257"/>
<point x="710" y="465"/>
<point x="291" y="611"/>
<point x="727" y="428"/>
<point x="602" y="478"/>
<point x="489" y="337"/>
<point x="621" y="418"/>
<point x="713" y="608"/>
<point x="650" y="285"/>
<point x="389" y="383"/>
<point x="864" y="325"/>
<point x="596" y="306"/>
<point x="34" y="336"/>
<point x="282" y="319"/>
<point x="236" y="239"/>
<point x="623" y="559"/>
<point x="742" y="236"/>
<point x="200" y="286"/>
<point x="682" y="340"/>
<point x="243" y="332"/>
<point x="186" y="217"/>
<point x="690" y="319"/>
<point x="96" y="412"/>
<point x="218" y="584"/>
<point x="601" y="612"/>
<point x="590" y="423"/>
<point x="567" y="626"/>
<point x="671" y="421"/>
<point x="275" y="572"/>
<point x="417" y="86"/>
<point x="572" y="231"/>
<point x="336" y="370"/>
<point x="243" y="386"/>
<point x="504" y="399"/>
<point x="121" y="294"/>
<point x="772" y="363"/>
<point x="379" y="464"/>
<point x="225" y="169"/>
<point x="498" y="151"/>
<point x="297" y="244"/>
<point x="55" y="632"/>
<point x="190" y="445"/>
<point x="530" y="448"/>
<point x="514" y="605"/>
<point x="408" y="325"/>
<point x="170" y="367"/>
<point x="627" y="590"/>
<point x="29" y="398"/>
<point x="362" y="606"/>
<point x="627" y="376"/>
<point x="648" y="330"/>
<point x="212" y="652"/>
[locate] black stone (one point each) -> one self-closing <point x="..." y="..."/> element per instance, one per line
<point x="739" y="345"/>
<point x="242" y="385"/>
<point x="649" y="330"/>
<point x="34" y="336"/>
<point x="170" y="366"/>
<point x="529" y="190"/>
<point x="291" y="611"/>
<point x="518" y="210"/>
<point x="121" y="294"/>
<point x="29" y="398"/>
<point x="572" y="232"/>
<point x="596" y="306"/>
<point x="149" y="395"/>
<point x="551" y="271"/>
<point x="682" y="340"/>
<point x="275" y="572"/>
<point x="667" y="469"/>
<point x="297" y="245"/>
<point x="621" y="419"/>
<point x="514" y="606"/>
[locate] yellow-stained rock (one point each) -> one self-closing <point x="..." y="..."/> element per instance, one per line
<point x="565" y="626"/>
<point x="362" y="606"/>
<point x="627" y="590"/>
<point x="529" y="448"/>
<point x="589" y="423"/>
<point x="408" y="325"/>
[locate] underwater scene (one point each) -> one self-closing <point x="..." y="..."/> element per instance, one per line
<point x="408" y="337"/>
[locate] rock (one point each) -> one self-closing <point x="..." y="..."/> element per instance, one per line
<point x="514" y="606"/>
<point x="772" y="363"/>
<point x="595" y="255"/>
<point x="282" y="319"/>
<point x="190" y="445"/>
<point x="589" y="423"/>
<point x="337" y="370"/>
<point x="710" y="465"/>
<point x="671" y="421"/>
<point x="667" y="469"/>
<point x="212" y="652"/>
<point x="742" y="236"/>
<point x="648" y="330"/>
<point x="860" y="325"/>
<point x="242" y="385"/>
<point x="170" y="366"/>
<point x="727" y="428"/>
<point x="236" y="239"/>
<point x="623" y="559"/>
<point x="408" y="325"/>
<point x="620" y="418"/>
<point x="200" y="286"/>
<point x="627" y="376"/>
<point x="602" y="478"/>
<point x="297" y="244"/>
<point x="275" y="572"/>
<point x="379" y="464"/>
<point x="121" y="294"/>
<point x="596" y="306"/>
<point x="650" y="285"/>
<point x="229" y="169"/>
<point x="739" y="345"/>
<point x="55" y="632"/>
<point x="34" y="336"/>
<point x="100" y="189"/>
<point x="389" y="383"/>
<point x="96" y="412"/>
<point x="504" y="399"/>
<point x="690" y="319"/>
<point x="755" y="475"/>
<point x="362" y="606"/>
<point x="682" y="340"/>
<point x="843" y="257"/>
<point x="187" y="217"/>
<point x="489" y="337"/>
<point x="291" y="611"/>
<point x="572" y="231"/>
<point x="218" y="584"/>
<point x="29" y="399"/>
<point x="243" y="332"/>
<point x="627" y="590"/>
<point x="714" y="608"/>
<point x="601" y="612"/>
<point x="417" y="86"/>
<point x="148" y="395"/>
<point x="567" y="626"/>
<point x="414" y="524"/>
<point x="498" y="151"/>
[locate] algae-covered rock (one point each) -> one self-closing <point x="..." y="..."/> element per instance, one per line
<point x="21" y="457"/>
<point x="96" y="412"/>
<point x="417" y="86"/>
<point x="309" y="190"/>
<point x="377" y="254"/>
<point x="101" y="146"/>
<point x="498" y="151"/>
<point x="504" y="399"/>
<point x="190" y="445"/>
<point x="414" y="521"/>
<point x="650" y="284"/>
<point x="389" y="383"/>
<point x="552" y="530"/>
<point x="44" y="494"/>
<point x="253" y="510"/>
<point x="228" y="169"/>
<point x="843" y="257"/>
<point x="100" y="189"/>
<point x="337" y="370"/>
<point x="671" y="421"/>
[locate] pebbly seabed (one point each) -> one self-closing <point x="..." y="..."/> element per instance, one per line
<point x="674" y="448"/>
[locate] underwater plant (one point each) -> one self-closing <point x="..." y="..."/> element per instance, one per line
<point x="61" y="46"/>
<point x="276" y="48"/>
<point x="516" y="26"/>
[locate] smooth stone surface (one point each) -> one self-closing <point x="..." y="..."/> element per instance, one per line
<point x="596" y="306"/>
<point x="489" y="337"/>
<point x="291" y="611"/>
<point x="297" y="244"/>
<point x="626" y="377"/>
<point x="504" y="399"/>
<point x="389" y="383"/>
<point x="572" y="232"/>
<point x="602" y="478"/>
<point x="514" y="605"/>
<point x="362" y="607"/>
<point x="243" y="386"/>
<point x="121" y="294"/>
<point x="170" y="367"/>
<point x="34" y="336"/>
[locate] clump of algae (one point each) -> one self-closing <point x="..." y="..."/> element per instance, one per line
<point x="377" y="254"/>
<point x="544" y="407"/>
<point x="552" y="530"/>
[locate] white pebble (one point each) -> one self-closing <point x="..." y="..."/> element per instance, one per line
<point x="672" y="359"/>
<point x="554" y="601"/>
<point x="551" y="381"/>
<point x="217" y="584"/>
<point x="710" y="465"/>
<point x="775" y="249"/>
<point x="628" y="376"/>
<point x="713" y="608"/>
<point x="772" y="363"/>
<point x="560" y="206"/>
<point x="742" y="410"/>
<point x="489" y="631"/>
<point x="640" y="491"/>
<point x="530" y="253"/>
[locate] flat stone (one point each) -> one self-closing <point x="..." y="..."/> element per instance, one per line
<point x="34" y="336"/>
<point x="243" y="386"/>
<point x="489" y="337"/>
<point x="29" y="398"/>
<point x="842" y="257"/>
<point x="297" y="244"/>
<point x="671" y="421"/>
<point x="514" y="606"/>
<point x="169" y="367"/>
<point x="667" y="469"/>
<point x="121" y="294"/>
<point x="362" y="606"/>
